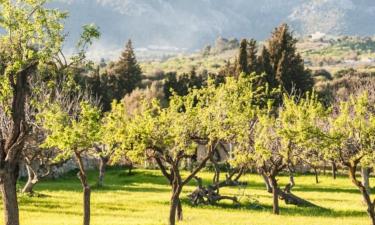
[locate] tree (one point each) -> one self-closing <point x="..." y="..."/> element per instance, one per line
<point x="152" y="134"/>
<point x="127" y="72"/>
<point x="243" y="57"/>
<point x="287" y="65"/>
<point x="24" y="44"/>
<point x="74" y="135"/>
<point x="350" y="139"/>
<point x="276" y="143"/>
<point x="266" y="68"/>
<point x="252" y="58"/>
<point x="112" y="134"/>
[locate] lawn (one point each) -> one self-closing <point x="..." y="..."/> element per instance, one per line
<point x="143" y="199"/>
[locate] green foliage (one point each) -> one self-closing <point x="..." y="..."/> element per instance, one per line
<point x="352" y="131"/>
<point x="31" y="34"/>
<point x="114" y="131"/>
<point x="70" y="133"/>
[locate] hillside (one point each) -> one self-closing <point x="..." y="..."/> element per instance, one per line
<point x="180" y="24"/>
<point x="330" y="52"/>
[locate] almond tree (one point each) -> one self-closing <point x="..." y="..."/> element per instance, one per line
<point x="31" y="36"/>
<point x="351" y="138"/>
<point x="165" y="135"/>
<point x="112" y="137"/>
<point x="74" y="135"/>
<point x="276" y="143"/>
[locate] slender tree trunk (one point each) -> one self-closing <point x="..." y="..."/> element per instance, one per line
<point x="9" y="196"/>
<point x="334" y="170"/>
<point x="86" y="190"/>
<point x="365" y="174"/>
<point x="102" y="166"/>
<point x="365" y="194"/>
<point x="130" y="168"/>
<point x="31" y="181"/>
<point x="267" y="183"/>
<point x="316" y="175"/>
<point x="275" y="194"/>
<point x="324" y="168"/>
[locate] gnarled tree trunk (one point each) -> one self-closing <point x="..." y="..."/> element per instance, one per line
<point x="175" y="205"/>
<point x="31" y="180"/>
<point x="9" y="197"/>
<point x="275" y="195"/>
<point x="11" y="148"/>
<point x="267" y="183"/>
<point x="86" y="189"/>
<point x="366" y="196"/>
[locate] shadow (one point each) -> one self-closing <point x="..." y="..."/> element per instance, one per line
<point x="288" y="210"/>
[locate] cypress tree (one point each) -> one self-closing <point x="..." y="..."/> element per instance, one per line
<point x="287" y="65"/>
<point x="266" y="67"/>
<point x="253" y="65"/>
<point x="242" y="57"/>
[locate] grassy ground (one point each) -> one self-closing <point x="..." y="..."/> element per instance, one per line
<point x="143" y="199"/>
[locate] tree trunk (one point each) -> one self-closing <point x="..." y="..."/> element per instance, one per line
<point x="316" y="175"/>
<point x="275" y="194"/>
<point x="365" y="174"/>
<point x="334" y="170"/>
<point x="130" y="168"/>
<point x="102" y="166"/>
<point x="86" y="190"/>
<point x="174" y="207"/>
<point x="31" y="181"/>
<point x="365" y="194"/>
<point x="267" y="183"/>
<point x="179" y="211"/>
<point x="9" y="196"/>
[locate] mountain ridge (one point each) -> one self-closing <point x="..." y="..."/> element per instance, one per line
<point x="192" y="24"/>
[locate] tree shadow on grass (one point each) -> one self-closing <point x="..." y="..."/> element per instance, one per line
<point x="115" y="180"/>
<point x="288" y="210"/>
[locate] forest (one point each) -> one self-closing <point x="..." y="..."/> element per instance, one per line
<point x="266" y="137"/>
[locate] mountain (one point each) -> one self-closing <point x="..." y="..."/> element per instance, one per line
<point x="194" y="23"/>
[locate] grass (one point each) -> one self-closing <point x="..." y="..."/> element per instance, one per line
<point x="143" y="199"/>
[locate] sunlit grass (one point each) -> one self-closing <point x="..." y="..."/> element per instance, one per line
<point x="144" y="199"/>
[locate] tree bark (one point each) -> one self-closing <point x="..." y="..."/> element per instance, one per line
<point x="275" y="194"/>
<point x="316" y="175"/>
<point x="9" y="196"/>
<point x="179" y="211"/>
<point x="365" y="174"/>
<point x="365" y="194"/>
<point x="267" y="183"/>
<point x="31" y="181"/>
<point x="86" y="189"/>
<point x="175" y="202"/>
<point x="334" y="170"/>
<point x="102" y="166"/>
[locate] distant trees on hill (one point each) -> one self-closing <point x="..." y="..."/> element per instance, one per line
<point x="118" y="79"/>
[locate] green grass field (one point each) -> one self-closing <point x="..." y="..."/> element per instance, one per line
<point x="143" y="199"/>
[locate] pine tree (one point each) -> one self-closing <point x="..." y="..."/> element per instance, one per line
<point x="242" y="57"/>
<point x="127" y="72"/>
